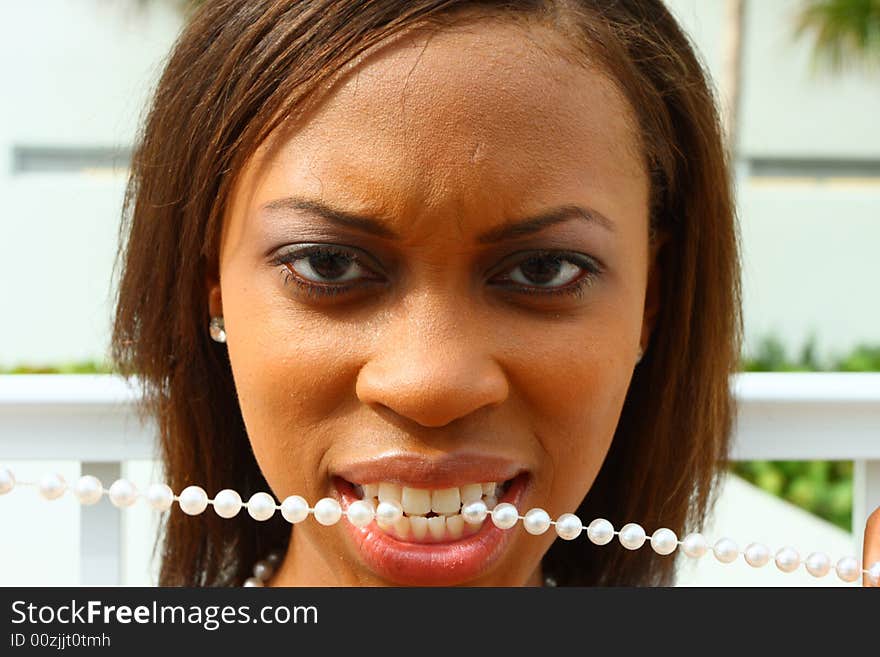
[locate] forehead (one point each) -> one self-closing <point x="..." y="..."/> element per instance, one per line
<point x="491" y="114"/>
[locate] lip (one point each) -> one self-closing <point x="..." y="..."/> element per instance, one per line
<point x="433" y="564"/>
<point x="443" y="471"/>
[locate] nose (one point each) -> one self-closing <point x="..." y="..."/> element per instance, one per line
<point x="433" y="364"/>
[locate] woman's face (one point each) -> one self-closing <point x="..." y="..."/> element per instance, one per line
<point x="439" y="281"/>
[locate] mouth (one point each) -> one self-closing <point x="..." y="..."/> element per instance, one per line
<point x="431" y="543"/>
<point x="428" y="515"/>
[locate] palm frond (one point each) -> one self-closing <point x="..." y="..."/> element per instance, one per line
<point x="845" y="33"/>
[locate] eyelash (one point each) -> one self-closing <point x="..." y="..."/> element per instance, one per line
<point x="320" y="291"/>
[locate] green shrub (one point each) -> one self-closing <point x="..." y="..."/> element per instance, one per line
<point x="823" y="488"/>
<point x="771" y="356"/>
<point x="78" y="367"/>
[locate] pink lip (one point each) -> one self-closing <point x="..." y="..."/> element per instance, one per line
<point x="443" y="471"/>
<point x="434" y="564"/>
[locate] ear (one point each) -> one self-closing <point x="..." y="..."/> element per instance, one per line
<point x="654" y="288"/>
<point x="215" y="302"/>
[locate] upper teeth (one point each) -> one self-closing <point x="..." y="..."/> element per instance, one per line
<point x="421" y="501"/>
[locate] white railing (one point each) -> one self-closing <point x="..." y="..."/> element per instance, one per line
<point x="91" y="419"/>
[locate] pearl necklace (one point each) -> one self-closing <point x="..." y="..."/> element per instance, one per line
<point x="193" y="500"/>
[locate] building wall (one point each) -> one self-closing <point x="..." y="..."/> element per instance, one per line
<point x="82" y="84"/>
<point x="809" y="189"/>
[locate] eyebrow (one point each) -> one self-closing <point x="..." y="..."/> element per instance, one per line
<point x="376" y="226"/>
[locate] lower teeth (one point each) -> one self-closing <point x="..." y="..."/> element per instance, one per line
<point x="436" y="528"/>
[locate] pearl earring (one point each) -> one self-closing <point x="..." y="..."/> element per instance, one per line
<point x="639" y="356"/>
<point x="217" y="329"/>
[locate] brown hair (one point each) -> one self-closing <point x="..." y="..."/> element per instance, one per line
<point x="241" y="68"/>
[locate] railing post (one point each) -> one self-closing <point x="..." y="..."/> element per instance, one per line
<point x="100" y="533"/>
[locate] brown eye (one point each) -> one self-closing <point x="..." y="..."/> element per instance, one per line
<point x="322" y="270"/>
<point x="326" y="267"/>
<point x="546" y="271"/>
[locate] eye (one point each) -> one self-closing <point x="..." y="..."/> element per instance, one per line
<point x="325" y="265"/>
<point x="552" y="272"/>
<point x="323" y="269"/>
<point x="546" y="271"/>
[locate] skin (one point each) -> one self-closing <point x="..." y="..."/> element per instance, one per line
<point x="434" y="357"/>
<point x="871" y="549"/>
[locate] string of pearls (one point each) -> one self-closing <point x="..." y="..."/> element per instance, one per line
<point x="193" y="500"/>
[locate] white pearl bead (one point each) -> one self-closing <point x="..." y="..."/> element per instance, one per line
<point x="631" y="536"/>
<point x="52" y="486"/>
<point x="695" y="545"/>
<point x="227" y="503"/>
<point x="504" y="515"/>
<point x="88" y="490"/>
<point x="568" y="526"/>
<point x="360" y="514"/>
<point x="600" y="531"/>
<point x="848" y="569"/>
<point x="389" y="512"/>
<point x="757" y="555"/>
<point x="160" y="496"/>
<point x="7" y="480"/>
<point x="295" y="509"/>
<point x="818" y="564"/>
<point x="474" y="512"/>
<point x="263" y="570"/>
<point x="327" y="511"/>
<point x="261" y="506"/>
<point x="726" y="550"/>
<point x="122" y="493"/>
<point x="874" y="574"/>
<point x="253" y="581"/>
<point x="664" y="541"/>
<point x="788" y="559"/>
<point x="193" y="500"/>
<point x="536" y="521"/>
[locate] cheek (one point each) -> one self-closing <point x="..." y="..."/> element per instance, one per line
<point x="290" y="374"/>
<point x="576" y="384"/>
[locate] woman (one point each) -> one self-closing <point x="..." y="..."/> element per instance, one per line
<point x="456" y="250"/>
